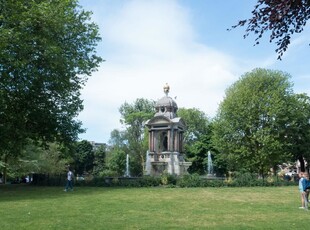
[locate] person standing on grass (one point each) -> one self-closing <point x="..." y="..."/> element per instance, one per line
<point x="302" y="185"/>
<point x="70" y="177"/>
<point x="307" y="188"/>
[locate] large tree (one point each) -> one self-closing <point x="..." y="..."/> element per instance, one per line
<point x="100" y="155"/>
<point x="134" y="116"/>
<point x="196" y="138"/>
<point x="47" y="51"/>
<point x="250" y="129"/>
<point x="281" y="18"/>
<point x="83" y="157"/>
<point x="298" y="129"/>
<point x="196" y="124"/>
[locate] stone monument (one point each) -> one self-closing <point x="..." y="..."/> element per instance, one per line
<point x="165" y="153"/>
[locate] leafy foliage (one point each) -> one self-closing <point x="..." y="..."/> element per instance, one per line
<point x="47" y="50"/>
<point x="117" y="162"/>
<point x="133" y="116"/>
<point x="99" y="159"/>
<point x="84" y="157"/>
<point x="190" y="180"/>
<point x="50" y="159"/>
<point x="198" y="154"/>
<point x="281" y="18"/>
<point x="250" y="129"/>
<point x="298" y="129"/>
<point x="196" y="123"/>
<point x="196" y="138"/>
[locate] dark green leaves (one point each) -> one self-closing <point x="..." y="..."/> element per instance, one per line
<point x="251" y="122"/>
<point x="47" y="51"/>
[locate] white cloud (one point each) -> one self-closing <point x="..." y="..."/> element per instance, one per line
<point x="149" y="27"/>
<point x="151" y="43"/>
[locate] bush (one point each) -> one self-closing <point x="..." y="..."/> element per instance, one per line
<point x="244" y="179"/>
<point x="168" y="179"/>
<point x="190" y="180"/>
<point x="213" y="183"/>
<point x="150" y="181"/>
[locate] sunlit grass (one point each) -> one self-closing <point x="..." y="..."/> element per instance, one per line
<point x="29" y="207"/>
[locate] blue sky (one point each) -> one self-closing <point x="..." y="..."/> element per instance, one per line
<point x="185" y="43"/>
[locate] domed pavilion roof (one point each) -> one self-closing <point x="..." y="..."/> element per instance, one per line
<point x="166" y="106"/>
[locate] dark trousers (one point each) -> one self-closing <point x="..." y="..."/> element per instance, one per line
<point x="69" y="185"/>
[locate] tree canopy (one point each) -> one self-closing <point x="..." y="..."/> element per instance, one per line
<point x="196" y="124"/>
<point x="196" y="138"/>
<point x="298" y="128"/>
<point x="134" y="116"/>
<point x="250" y="129"/>
<point x="83" y="157"/>
<point x="47" y="50"/>
<point x="281" y="18"/>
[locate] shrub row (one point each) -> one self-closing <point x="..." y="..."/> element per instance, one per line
<point x="191" y="180"/>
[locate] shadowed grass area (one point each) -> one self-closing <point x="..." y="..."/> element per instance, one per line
<point x="30" y="207"/>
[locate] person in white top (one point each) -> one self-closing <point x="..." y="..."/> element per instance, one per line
<point x="70" y="178"/>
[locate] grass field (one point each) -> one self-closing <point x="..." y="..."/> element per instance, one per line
<point x="30" y="207"/>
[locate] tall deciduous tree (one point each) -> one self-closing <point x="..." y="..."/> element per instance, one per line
<point x="116" y="153"/>
<point x="196" y="138"/>
<point x="84" y="157"/>
<point x="133" y="116"/>
<point x="251" y="125"/>
<point x="116" y="162"/>
<point x="196" y="124"/>
<point x="281" y="18"/>
<point x="298" y="129"/>
<point x="100" y="159"/>
<point x="47" y="50"/>
<point x="118" y="139"/>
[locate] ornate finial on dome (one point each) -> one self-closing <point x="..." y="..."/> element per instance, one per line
<point x="166" y="89"/>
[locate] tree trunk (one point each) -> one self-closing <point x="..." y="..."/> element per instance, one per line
<point x="274" y="170"/>
<point x="5" y="169"/>
<point x="302" y="163"/>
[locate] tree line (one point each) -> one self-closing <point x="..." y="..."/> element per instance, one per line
<point x="260" y="124"/>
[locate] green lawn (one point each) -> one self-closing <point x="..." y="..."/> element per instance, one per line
<point x="30" y="207"/>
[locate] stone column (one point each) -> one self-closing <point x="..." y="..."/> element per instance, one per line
<point x="180" y="142"/>
<point x="171" y="149"/>
<point x="175" y="140"/>
<point x="168" y="141"/>
<point x="150" y="140"/>
<point x="154" y="140"/>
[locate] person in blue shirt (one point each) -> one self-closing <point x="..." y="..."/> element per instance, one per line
<point x="303" y="186"/>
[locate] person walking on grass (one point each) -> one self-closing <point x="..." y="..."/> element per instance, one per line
<point x="70" y="177"/>
<point x="302" y="185"/>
